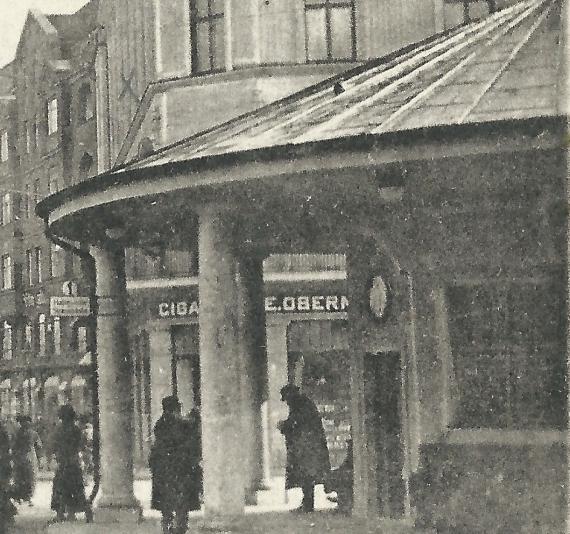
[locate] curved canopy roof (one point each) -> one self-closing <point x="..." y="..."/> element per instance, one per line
<point x="505" y="67"/>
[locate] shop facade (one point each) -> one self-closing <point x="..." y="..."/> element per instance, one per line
<point x="449" y="208"/>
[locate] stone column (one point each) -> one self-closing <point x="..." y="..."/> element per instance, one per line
<point x="114" y="365"/>
<point x="160" y="368"/>
<point x="277" y="410"/>
<point x="254" y="377"/>
<point x="221" y="369"/>
<point x="184" y="382"/>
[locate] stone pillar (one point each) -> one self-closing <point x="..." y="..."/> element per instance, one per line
<point x="252" y="330"/>
<point x="221" y="369"/>
<point x="277" y="378"/>
<point x="115" y="370"/>
<point x="184" y="383"/>
<point x="160" y="347"/>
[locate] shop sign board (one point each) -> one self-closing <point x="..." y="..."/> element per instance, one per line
<point x="70" y="306"/>
<point x="273" y="304"/>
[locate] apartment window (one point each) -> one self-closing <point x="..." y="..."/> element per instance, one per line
<point x="53" y="182"/>
<point x="82" y="339"/>
<point x="207" y="35"/>
<point x="57" y="261"/>
<point x="330" y="30"/>
<point x="36" y="193"/>
<point x="4" y="146"/>
<point x="85" y="166"/>
<point x="28" y="336"/>
<point x="56" y="332"/>
<point x="28" y="139"/>
<point x="28" y="202"/>
<point x="86" y="110"/>
<point x="7" y="275"/>
<point x="38" y="262"/>
<point x="52" y="116"/>
<point x="7" y="347"/>
<point x="30" y="267"/>
<point x="6" y="208"/>
<point x="42" y="334"/>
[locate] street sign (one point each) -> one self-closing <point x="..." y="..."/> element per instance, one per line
<point x="70" y="306"/>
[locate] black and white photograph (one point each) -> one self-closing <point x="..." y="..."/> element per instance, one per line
<point x="284" y="266"/>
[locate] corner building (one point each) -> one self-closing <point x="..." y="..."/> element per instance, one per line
<point x="430" y="182"/>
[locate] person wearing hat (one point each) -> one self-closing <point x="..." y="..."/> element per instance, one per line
<point x="26" y="453"/>
<point x="308" y="460"/>
<point x="174" y="463"/>
<point x="68" y="491"/>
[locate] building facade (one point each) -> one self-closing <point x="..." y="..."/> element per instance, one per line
<point x="377" y="294"/>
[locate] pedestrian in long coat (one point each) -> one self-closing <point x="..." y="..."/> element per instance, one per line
<point x="7" y="508"/>
<point x="26" y="452"/>
<point x="308" y="461"/>
<point x="68" y="492"/>
<point x="175" y="467"/>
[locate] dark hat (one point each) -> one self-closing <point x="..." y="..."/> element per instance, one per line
<point x="290" y="390"/>
<point x="67" y="413"/>
<point x="170" y="404"/>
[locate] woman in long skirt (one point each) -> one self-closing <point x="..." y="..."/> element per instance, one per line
<point x="26" y="452"/>
<point x="68" y="492"/>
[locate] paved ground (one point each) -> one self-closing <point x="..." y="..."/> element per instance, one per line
<point x="272" y="515"/>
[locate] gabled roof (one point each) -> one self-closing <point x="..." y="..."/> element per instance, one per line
<point x="502" y="68"/>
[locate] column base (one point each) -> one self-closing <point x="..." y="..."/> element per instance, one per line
<point x="109" y="509"/>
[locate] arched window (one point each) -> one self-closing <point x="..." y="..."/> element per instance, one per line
<point x="86" y="108"/>
<point x="28" y="336"/>
<point x="85" y="166"/>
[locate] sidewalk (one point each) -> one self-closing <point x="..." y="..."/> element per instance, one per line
<point x="275" y="523"/>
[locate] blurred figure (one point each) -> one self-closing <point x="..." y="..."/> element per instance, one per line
<point x="68" y="492"/>
<point x="174" y="463"/>
<point x="7" y="508"/>
<point x="26" y="454"/>
<point x="87" y="452"/>
<point x="308" y="461"/>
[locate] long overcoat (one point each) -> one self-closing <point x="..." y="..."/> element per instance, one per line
<point x="307" y="452"/>
<point x="27" y="446"/>
<point x="68" y="492"/>
<point x="175" y="465"/>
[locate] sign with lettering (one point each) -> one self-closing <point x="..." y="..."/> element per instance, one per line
<point x="70" y="306"/>
<point x="273" y="304"/>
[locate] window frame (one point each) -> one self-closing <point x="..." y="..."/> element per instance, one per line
<point x="210" y="21"/>
<point x="38" y="265"/>
<point x="52" y="116"/>
<point x="30" y="267"/>
<point x="7" y="208"/>
<point x="328" y="6"/>
<point x="4" y="146"/>
<point x="7" y="268"/>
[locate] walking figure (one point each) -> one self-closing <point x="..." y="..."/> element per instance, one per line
<point x="7" y="508"/>
<point x="175" y="467"/>
<point x="308" y="461"/>
<point x="26" y="454"/>
<point x="68" y="492"/>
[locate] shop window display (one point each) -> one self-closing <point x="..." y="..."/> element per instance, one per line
<point x="319" y="362"/>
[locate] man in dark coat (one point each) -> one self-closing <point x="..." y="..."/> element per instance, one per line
<point x="175" y="467"/>
<point x="307" y="454"/>
<point x="68" y="492"/>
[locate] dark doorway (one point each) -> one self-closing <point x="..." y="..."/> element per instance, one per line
<point x="383" y="379"/>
